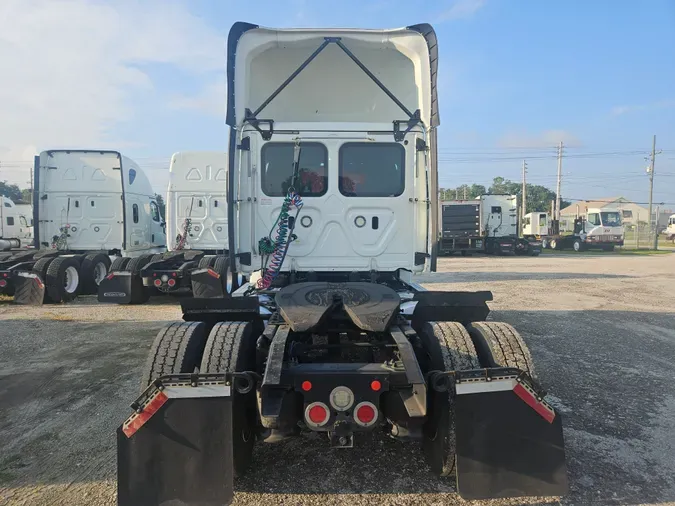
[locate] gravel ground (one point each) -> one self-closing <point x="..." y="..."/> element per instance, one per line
<point x="602" y="334"/>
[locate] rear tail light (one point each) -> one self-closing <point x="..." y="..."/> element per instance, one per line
<point x="158" y="282"/>
<point x="375" y="385"/>
<point x="306" y="386"/>
<point x="171" y="282"/>
<point x="165" y="278"/>
<point x="110" y="276"/>
<point x="341" y="398"/>
<point x="317" y="414"/>
<point x="365" y="414"/>
<point x="3" y="283"/>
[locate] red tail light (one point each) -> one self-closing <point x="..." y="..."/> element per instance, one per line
<point x="317" y="414"/>
<point x="3" y="283"/>
<point x="375" y="385"/>
<point x="110" y="276"/>
<point x="171" y="282"/>
<point x="306" y="386"/>
<point x="158" y="282"/>
<point x="365" y="414"/>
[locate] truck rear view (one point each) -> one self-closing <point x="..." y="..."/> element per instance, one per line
<point x="332" y="209"/>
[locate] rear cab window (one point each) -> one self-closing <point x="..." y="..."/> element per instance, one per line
<point x="276" y="173"/>
<point x="372" y="169"/>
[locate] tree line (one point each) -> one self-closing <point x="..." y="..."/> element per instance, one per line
<point x="538" y="197"/>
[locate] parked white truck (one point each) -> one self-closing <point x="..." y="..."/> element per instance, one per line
<point x="670" y="230"/>
<point x="487" y="224"/>
<point x="196" y="224"/>
<point x="91" y="209"/>
<point x="598" y="228"/>
<point x="15" y="228"/>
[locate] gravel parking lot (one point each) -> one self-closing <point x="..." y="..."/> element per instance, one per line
<point x="601" y="329"/>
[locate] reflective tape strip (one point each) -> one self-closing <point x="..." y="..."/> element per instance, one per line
<point x="527" y="395"/>
<point x="479" y="387"/>
<point x="190" y="392"/>
<point x="137" y="420"/>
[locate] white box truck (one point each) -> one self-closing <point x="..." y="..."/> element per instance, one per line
<point x="91" y="209"/>
<point x="196" y="224"/>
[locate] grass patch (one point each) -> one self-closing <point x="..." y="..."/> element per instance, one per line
<point x="5" y="298"/>
<point x="617" y="251"/>
<point x="58" y="317"/>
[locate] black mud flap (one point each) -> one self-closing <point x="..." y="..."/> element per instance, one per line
<point x="119" y="287"/>
<point x="29" y="289"/>
<point x="206" y="284"/>
<point x="509" y="442"/>
<point x="178" y="450"/>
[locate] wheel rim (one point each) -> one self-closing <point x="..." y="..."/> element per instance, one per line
<point x="553" y="244"/>
<point x="577" y="246"/>
<point x="100" y="272"/>
<point x="544" y="244"/>
<point x="71" y="279"/>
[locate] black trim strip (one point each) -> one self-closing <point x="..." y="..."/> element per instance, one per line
<point x="36" y="202"/>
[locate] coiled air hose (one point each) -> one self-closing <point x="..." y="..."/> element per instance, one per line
<point x="278" y="248"/>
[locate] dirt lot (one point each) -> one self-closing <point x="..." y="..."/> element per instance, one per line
<point x="601" y="329"/>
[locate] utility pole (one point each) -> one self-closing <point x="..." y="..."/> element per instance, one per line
<point x="524" y="203"/>
<point x="557" y="187"/>
<point x="651" y="191"/>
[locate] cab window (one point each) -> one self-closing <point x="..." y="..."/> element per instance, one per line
<point x="594" y="219"/>
<point x="154" y="211"/>
<point x="372" y="170"/>
<point x="542" y="220"/>
<point x="277" y="169"/>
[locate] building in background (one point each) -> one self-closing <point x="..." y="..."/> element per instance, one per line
<point x="630" y="211"/>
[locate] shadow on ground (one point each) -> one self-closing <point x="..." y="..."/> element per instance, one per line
<point x="468" y="277"/>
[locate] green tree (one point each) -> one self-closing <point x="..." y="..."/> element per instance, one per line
<point x="473" y="191"/>
<point x="538" y="197"/>
<point x="11" y="191"/>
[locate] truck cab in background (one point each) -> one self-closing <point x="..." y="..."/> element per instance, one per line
<point x="91" y="209"/>
<point x="15" y="229"/>
<point x="670" y="230"/>
<point x="599" y="228"/>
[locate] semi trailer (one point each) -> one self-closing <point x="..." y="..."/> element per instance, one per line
<point x="332" y="211"/>
<point x="91" y="208"/>
<point x="487" y="224"/>
<point x="196" y="225"/>
<point x="595" y="229"/>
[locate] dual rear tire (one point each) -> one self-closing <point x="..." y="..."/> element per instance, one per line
<point x="185" y="347"/>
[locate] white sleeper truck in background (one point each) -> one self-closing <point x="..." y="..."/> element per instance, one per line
<point x="91" y="208"/>
<point x="15" y="229"/>
<point x="196" y="225"/>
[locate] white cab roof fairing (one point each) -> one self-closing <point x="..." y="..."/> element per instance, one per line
<point x="261" y="59"/>
<point x="198" y="171"/>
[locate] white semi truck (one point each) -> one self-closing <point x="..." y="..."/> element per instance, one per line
<point x="15" y="225"/>
<point x="196" y="224"/>
<point x="91" y="209"/>
<point x="332" y="209"/>
<point x="486" y="224"/>
<point x="597" y="228"/>
<point x="670" y="230"/>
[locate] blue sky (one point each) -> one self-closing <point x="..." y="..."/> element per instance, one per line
<point x="516" y="77"/>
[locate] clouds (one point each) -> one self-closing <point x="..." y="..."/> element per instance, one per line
<point x="460" y="9"/>
<point x="71" y="68"/>
<point x="545" y="139"/>
<point x="654" y="106"/>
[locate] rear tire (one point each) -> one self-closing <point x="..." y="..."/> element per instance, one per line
<point x="578" y="245"/>
<point x="63" y="279"/>
<point x="177" y="349"/>
<point x="40" y="268"/>
<point x="500" y="345"/>
<point x="231" y="348"/>
<point x="207" y="261"/>
<point x="450" y="348"/>
<point x="222" y="266"/>
<point x="94" y="268"/>
<point x="119" y="264"/>
<point x="134" y="266"/>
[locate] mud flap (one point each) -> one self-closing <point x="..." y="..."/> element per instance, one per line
<point x="120" y="287"/>
<point x="29" y="289"/>
<point x="509" y="442"/>
<point x="178" y="450"/>
<point x="206" y="284"/>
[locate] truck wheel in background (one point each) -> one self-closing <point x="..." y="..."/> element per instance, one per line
<point x="40" y="268"/>
<point x="231" y="348"/>
<point x="578" y="245"/>
<point x="119" y="264"/>
<point x="544" y="244"/>
<point x="93" y="269"/>
<point x="63" y="279"/>
<point x="222" y="266"/>
<point x="500" y="345"/>
<point x="207" y="261"/>
<point x="177" y="348"/>
<point x="134" y="266"/>
<point x="554" y="244"/>
<point x="449" y="348"/>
